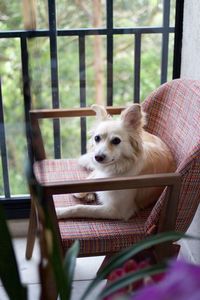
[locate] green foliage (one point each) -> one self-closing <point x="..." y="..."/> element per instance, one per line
<point x="1" y="179"/>
<point x="53" y="269"/>
<point x="73" y="14"/>
<point x="9" y="273"/>
<point x="138" y="13"/>
<point x="63" y="272"/>
<point x="11" y="15"/>
<point x="69" y="265"/>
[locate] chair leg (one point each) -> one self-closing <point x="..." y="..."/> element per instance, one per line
<point x="32" y="229"/>
<point x="166" y="251"/>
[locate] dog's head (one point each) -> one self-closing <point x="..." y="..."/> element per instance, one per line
<point x="116" y="141"/>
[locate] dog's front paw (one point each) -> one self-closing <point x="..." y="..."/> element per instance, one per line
<point x="80" y="195"/>
<point x="88" y="197"/>
<point x="86" y="161"/>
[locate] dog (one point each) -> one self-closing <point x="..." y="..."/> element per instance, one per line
<point x="120" y="148"/>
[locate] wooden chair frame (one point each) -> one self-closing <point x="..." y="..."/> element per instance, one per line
<point x="167" y="220"/>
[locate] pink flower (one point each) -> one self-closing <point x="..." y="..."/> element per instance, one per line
<point x="181" y="282"/>
<point x="130" y="266"/>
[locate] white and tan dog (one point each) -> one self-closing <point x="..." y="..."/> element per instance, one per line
<point x="120" y="148"/>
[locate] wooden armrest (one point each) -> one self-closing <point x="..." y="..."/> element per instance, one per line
<point x="167" y="219"/>
<point x="74" y="112"/>
<point x="115" y="183"/>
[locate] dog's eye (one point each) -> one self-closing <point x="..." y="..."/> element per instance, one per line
<point x="97" y="138"/>
<point x="116" y="141"/>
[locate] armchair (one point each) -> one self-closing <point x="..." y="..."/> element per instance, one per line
<point x="174" y="115"/>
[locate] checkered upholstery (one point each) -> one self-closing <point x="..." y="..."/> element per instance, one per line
<point x="96" y="236"/>
<point x="100" y="236"/>
<point x="173" y="115"/>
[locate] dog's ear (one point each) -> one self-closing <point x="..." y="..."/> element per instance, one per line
<point x="101" y="113"/>
<point x="132" y="116"/>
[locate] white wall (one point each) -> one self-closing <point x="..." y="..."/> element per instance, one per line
<point x="190" y="68"/>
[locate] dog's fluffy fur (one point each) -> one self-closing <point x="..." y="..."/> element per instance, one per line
<point x="121" y="148"/>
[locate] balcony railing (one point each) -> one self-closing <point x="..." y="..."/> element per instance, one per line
<point x="18" y="205"/>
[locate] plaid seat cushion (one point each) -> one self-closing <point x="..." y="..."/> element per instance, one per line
<point x="96" y="237"/>
<point x="55" y="170"/>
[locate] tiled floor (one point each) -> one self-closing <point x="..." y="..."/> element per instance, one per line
<point x="85" y="271"/>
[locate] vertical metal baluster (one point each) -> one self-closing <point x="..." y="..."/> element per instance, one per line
<point x="26" y="94"/>
<point x="178" y="38"/>
<point x="82" y="83"/>
<point x="109" y="18"/>
<point x="165" y="40"/>
<point x="137" y="67"/>
<point x="54" y="74"/>
<point x="4" y="156"/>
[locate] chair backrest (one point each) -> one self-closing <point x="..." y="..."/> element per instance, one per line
<point x="174" y="115"/>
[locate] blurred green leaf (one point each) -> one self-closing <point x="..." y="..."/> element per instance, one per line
<point x="55" y="254"/>
<point x="9" y="272"/>
<point x="63" y="272"/>
<point x="69" y="264"/>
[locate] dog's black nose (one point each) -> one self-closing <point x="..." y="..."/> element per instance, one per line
<point x="100" y="158"/>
